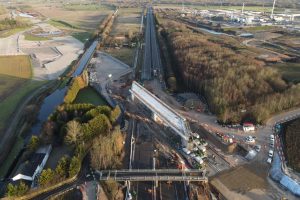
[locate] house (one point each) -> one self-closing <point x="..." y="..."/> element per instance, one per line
<point x="247" y="127"/>
<point x="30" y="169"/>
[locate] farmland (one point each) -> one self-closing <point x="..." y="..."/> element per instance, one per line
<point x="128" y="19"/>
<point x="16" y="83"/>
<point x="74" y="16"/>
<point x="88" y="7"/>
<point x="125" y="29"/>
<point x="14" y="71"/>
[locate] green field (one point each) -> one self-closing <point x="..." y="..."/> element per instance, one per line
<point x="14" y="71"/>
<point x="4" y="167"/>
<point x="35" y="38"/>
<point x="15" y="84"/>
<point x="289" y="71"/>
<point x="11" y="102"/>
<point x="125" y="55"/>
<point x="89" y="95"/>
<point x="82" y="36"/>
<point x="62" y="24"/>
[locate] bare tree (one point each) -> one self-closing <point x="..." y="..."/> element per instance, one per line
<point x="73" y="132"/>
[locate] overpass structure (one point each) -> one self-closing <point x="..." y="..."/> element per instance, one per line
<point x="152" y="175"/>
<point x="161" y="111"/>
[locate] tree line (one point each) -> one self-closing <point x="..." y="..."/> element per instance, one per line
<point x="84" y="128"/>
<point x="105" y="28"/>
<point x="77" y="84"/>
<point x="7" y="24"/>
<point x="237" y="86"/>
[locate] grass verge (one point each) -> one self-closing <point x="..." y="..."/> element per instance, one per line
<point x="62" y="24"/>
<point x="125" y="55"/>
<point x="82" y="36"/>
<point x="35" y="38"/>
<point x="18" y="145"/>
<point x="89" y="95"/>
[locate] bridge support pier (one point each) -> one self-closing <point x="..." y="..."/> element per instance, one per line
<point x="132" y="96"/>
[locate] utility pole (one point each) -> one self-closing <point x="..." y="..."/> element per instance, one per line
<point x="243" y="8"/>
<point x="273" y="9"/>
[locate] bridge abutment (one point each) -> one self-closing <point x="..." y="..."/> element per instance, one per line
<point x="132" y="96"/>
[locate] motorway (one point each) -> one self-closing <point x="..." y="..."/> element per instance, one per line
<point x="152" y="59"/>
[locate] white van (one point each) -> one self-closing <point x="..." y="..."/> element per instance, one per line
<point x="199" y="160"/>
<point x="186" y="151"/>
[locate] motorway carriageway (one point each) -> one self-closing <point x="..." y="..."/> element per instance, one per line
<point x="151" y="56"/>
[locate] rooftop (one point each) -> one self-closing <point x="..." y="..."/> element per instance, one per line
<point x="28" y="168"/>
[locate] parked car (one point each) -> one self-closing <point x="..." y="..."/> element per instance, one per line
<point x="257" y="148"/>
<point x="269" y="160"/>
<point x="250" y="139"/>
<point x="271" y="152"/>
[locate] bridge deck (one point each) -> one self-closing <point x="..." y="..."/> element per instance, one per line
<point x="165" y="112"/>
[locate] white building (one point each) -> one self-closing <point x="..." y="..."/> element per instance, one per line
<point x="28" y="170"/>
<point x="247" y="127"/>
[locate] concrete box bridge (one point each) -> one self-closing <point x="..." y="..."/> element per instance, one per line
<point x="152" y="175"/>
<point x="161" y="111"/>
